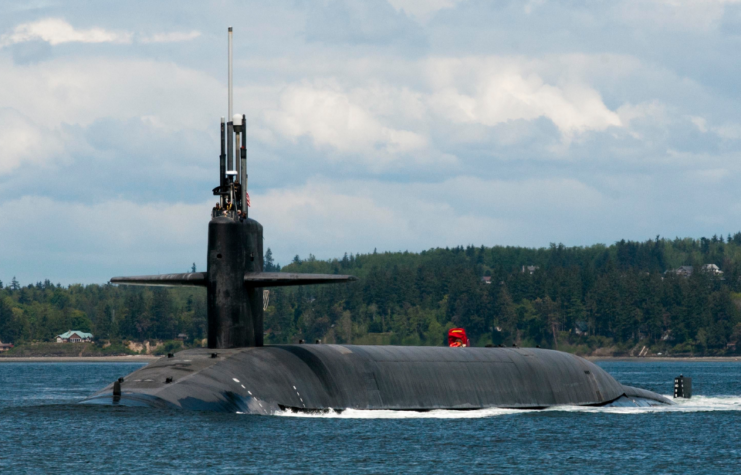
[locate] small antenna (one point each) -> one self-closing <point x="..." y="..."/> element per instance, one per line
<point x="243" y="158"/>
<point x="222" y="161"/>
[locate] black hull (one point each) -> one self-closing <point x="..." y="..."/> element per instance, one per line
<point x="268" y="379"/>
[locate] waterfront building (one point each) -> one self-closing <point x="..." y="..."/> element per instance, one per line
<point x="74" y="336"/>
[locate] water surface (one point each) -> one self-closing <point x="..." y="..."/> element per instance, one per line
<point x="43" y="430"/>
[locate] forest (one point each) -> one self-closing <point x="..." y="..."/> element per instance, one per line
<point x="661" y="296"/>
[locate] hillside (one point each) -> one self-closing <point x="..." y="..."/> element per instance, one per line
<point x="614" y="299"/>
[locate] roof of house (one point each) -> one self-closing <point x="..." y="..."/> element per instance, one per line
<point x="69" y="333"/>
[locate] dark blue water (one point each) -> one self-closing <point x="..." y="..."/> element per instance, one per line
<point x="42" y="430"/>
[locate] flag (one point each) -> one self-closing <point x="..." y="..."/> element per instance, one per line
<point x="247" y="198"/>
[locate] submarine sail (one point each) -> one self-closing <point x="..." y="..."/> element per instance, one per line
<point x="238" y="373"/>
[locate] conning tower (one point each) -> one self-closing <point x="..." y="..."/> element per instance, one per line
<point x="234" y="281"/>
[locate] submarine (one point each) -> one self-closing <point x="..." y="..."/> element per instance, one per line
<point x="237" y="372"/>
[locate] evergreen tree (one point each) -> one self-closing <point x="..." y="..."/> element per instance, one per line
<point x="269" y="264"/>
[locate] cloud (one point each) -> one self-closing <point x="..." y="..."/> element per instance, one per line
<point x="23" y="141"/>
<point x="726" y="131"/>
<point x="334" y="118"/>
<point x="172" y="37"/>
<point x="93" y="241"/>
<point x="422" y="9"/>
<point x="507" y="89"/>
<point x="56" y="31"/>
<point x="688" y="15"/>
<point x="332" y="217"/>
<point x="401" y="125"/>
<point x="366" y="22"/>
<point x="82" y="89"/>
<point x="124" y="119"/>
<point x="384" y="122"/>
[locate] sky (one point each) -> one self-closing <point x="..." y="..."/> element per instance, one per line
<point x="380" y="124"/>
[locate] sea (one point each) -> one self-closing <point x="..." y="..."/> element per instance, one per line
<point x="43" y="430"/>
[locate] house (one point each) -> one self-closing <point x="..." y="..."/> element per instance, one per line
<point x="5" y="346"/>
<point x="712" y="269"/>
<point x="181" y="337"/>
<point x="530" y="269"/>
<point x="486" y="279"/>
<point x="684" y="271"/>
<point x="74" y="336"/>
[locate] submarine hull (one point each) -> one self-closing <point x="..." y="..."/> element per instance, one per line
<point x="269" y="379"/>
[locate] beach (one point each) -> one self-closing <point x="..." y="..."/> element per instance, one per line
<point x="79" y="359"/>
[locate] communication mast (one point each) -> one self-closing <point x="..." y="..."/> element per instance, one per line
<point x="232" y="187"/>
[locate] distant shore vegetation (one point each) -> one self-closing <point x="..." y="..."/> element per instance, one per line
<point x="672" y="297"/>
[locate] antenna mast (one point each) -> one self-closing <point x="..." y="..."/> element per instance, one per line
<point x="233" y="159"/>
<point x="231" y="111"/>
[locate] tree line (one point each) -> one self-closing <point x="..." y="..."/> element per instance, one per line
<point x="616" y="298"/>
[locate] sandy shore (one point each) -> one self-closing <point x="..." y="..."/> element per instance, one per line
<point x="149" y="358"/>
<point x="80" y="359"/>
<point x="649" y="359"/>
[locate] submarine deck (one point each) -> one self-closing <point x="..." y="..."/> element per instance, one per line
<point x="322" y="377"/>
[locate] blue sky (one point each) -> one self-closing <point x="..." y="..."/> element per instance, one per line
<point x="396" y="125"/>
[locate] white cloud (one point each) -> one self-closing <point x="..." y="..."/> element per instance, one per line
<point x="652" y="110"/>
<point x="81" y="90"/>
<point x="57" y="31"/>
<point x="422" y="9"/>
<point x="328" y="218"/>
<point x="690" y="15"/>
<point x="726" y="131"/>
<point x="335" y="118"/>
<point x="21" y="141"/>
<point x="506" y="89"/>
<point x="96" y="240"/>
<point x="532" y="5"/>
<point x="385" y="120"/>
<point x="700" y="123"/>
<point x="172" y="37"/>
<point x="91" y="242"/>
<point x="45" y="109"/>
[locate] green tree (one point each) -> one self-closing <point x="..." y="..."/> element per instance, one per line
<point x="269" y="263"/>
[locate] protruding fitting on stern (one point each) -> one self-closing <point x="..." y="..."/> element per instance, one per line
<point x="117" y="387"/>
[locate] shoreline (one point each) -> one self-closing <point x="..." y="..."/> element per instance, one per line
<point x="150" y="358"/>
<point x="647" y="359"/>
<point x="79" y="359"/>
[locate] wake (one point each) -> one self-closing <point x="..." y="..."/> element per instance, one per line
<point x="696" y="404"/>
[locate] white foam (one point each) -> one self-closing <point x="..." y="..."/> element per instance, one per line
<point x="384" y="414"/>
<point x="696" y="404"/>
